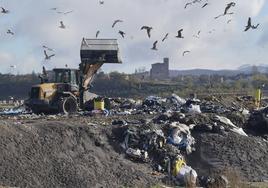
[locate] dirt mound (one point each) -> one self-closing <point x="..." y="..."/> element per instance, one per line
<point x="246" y="155"/>
<point x="65" y="154"/>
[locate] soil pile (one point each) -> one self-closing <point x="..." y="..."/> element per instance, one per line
<point x="64" y="154"/>
<point x="215" y="153"/>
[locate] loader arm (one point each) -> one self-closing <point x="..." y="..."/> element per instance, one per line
<point x="89" y="72"/>
<point x="94" y="53"/>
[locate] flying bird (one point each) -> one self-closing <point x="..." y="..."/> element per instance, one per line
<point x="49" y="49"/>
<point x="228" y="6"/>
<point x="122" y="33"/>
<point x="206" y="4"/>
<point x="4" y="11"/>
<point x="68" y="12"/>
<point x="187" y="4"/>
<point x="148" y="29"/>
<point x="180" y="34"/>
<point x="48" y="57"/>
<point x="154" y="45"/>
<point x="249" y="25"/>
<point x="187" y="51"/>
<point x="62" y="26"/>
<point x="229" y="21"/>
<point x="10" y="32"/>
<point x="165" y="37"/>
<point x="198" y="34"/>
<point x="97" y="34"/>
<point x="116" y="21"/>
<point x="53" y="8"/>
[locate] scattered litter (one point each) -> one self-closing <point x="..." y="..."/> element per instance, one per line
<point x="187" y="176"/>
<point x="181" y="137"/>
<point x="194" y="109"/>
<point x="14" y="111"/>
<point x="180" y="101"/>
<point x="137" y="154"/>
<point x="233" y="128"/>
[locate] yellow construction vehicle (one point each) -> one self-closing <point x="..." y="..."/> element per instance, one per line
<point x="65" y="90"/>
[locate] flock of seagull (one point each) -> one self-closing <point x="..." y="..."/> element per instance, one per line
<point x="62" y="26"/>
<point x="179" y="35"/>
<point x="146" y="28"/>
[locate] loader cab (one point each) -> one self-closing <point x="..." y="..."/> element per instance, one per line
<point x="70" y="76"/>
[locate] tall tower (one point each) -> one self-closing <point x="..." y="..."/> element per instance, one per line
<point x="166" y="63"/>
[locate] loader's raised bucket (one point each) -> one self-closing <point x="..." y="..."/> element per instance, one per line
<point x="95" y="51"/>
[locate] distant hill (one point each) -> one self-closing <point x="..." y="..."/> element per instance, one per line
<point x="248" y="69"/>
<point x="244" y="69"/>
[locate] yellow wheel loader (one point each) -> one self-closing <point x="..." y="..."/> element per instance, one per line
<point x="65" y="90"/>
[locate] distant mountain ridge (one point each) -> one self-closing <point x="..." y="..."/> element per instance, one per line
<point x="244" y="69"/>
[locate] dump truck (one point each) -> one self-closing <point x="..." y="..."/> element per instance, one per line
<point x="65" y="90"/>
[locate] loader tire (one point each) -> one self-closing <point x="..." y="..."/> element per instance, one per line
<point x="68" y="105"/>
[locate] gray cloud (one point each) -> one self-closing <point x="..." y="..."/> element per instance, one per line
<point x="228" y="46"/>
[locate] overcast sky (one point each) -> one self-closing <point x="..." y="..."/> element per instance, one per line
<point x="226" y="47"/>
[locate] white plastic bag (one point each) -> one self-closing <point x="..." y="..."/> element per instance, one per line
<point x="187" y="175"/>
<point x="194" y="109"/>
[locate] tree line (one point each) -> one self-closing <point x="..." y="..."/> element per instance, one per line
<point x="127" y="85"/>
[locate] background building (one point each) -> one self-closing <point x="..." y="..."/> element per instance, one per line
<point x="160" y="70"/>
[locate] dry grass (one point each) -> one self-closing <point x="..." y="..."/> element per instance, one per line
<point x="234" y="178"/>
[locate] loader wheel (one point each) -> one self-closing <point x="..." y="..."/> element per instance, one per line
<point x="68" y="105"/>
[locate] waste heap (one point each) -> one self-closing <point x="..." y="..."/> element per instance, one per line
<point x="170" y="138"/>
<point x="190" y="141"/>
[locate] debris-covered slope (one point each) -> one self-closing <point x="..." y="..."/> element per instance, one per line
<point x="136" y="144"/>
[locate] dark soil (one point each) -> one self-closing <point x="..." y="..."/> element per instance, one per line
<point x="65" y="153"/>
<point x="215" y="153"/>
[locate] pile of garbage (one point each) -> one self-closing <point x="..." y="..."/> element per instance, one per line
<point x="14" y="111"/>
<point x="166" y="140"/>
<point x="167" y="132"/>
<point x="162" y="145"/>
<point x="174" y="103"/>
